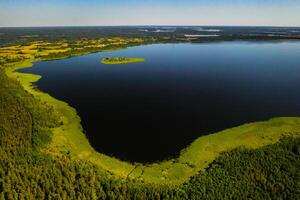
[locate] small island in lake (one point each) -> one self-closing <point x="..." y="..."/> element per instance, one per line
<point x="117" y="60"/>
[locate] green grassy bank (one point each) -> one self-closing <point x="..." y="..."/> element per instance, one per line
<point x="68" y="139"/>
<point x="26" y="172"/>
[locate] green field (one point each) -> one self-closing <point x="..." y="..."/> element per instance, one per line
<point x="116" y="61"/>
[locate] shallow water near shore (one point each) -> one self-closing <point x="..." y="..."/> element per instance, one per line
<point x="150" y="111"/>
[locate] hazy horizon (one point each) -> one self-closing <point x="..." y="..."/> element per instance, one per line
<point x="42" y="13"/>
<point x="141" y="25"/>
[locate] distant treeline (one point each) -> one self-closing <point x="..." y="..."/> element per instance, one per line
<point x="10" y="36"/>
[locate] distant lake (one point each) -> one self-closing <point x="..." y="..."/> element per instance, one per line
<point x="150" y="111"/>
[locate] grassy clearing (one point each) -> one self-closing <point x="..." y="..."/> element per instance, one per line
<point x="69" y="138"/>
<point x="116" y="61"/>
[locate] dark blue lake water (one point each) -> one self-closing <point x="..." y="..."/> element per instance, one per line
<point x="150" y="111"/>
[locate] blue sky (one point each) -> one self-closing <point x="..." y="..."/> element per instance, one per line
<point x="149" y="12"/>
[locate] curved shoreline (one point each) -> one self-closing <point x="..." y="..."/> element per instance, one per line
<point x="69" y="137"/>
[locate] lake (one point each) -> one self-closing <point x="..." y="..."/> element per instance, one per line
<point x="149" y="111"/>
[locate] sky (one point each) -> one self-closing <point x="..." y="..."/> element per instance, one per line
<point x="149" y="12"/>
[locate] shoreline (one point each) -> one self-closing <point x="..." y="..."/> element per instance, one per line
<point x="70" y="137"/>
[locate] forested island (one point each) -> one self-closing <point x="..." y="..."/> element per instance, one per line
<point x="44" y="153"/>
<point x="114" y="61"/>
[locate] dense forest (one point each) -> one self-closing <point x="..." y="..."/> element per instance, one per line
<point x="271" y="172"/>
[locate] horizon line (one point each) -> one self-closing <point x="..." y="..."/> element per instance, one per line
<point x="140" y="25"/>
